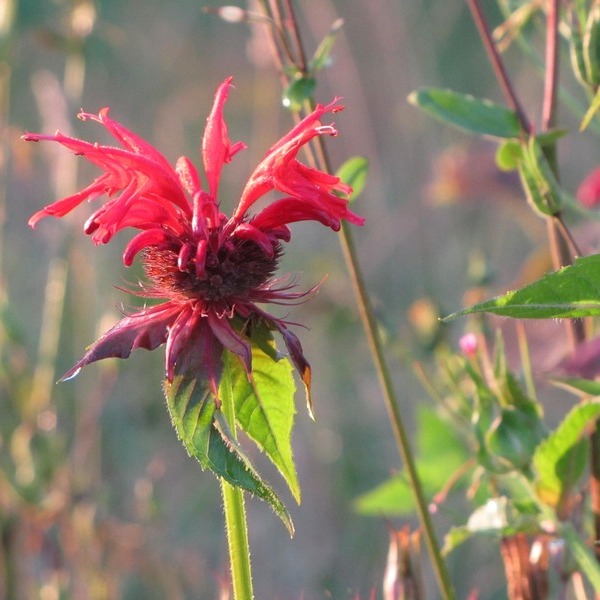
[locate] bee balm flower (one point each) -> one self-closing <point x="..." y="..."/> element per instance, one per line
<point x="211" y="270"/>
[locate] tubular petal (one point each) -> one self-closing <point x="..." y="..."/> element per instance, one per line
<point x="150" y="237"/>
<point x="188" y="175"/>
<point x="201" y="251"/>
<point x="246" y="231"/>
<point x="216" y="145"/>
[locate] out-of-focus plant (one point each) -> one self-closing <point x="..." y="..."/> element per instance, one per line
<point x="535" y="488"/>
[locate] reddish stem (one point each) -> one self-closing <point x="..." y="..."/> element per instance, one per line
<point x="497" y="64"/>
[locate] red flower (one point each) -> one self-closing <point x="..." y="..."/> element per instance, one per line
<point x="209" y="268"/>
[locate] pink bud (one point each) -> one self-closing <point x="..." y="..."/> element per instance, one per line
<point x="468" y="344"/>
<point x="588" y="193"/>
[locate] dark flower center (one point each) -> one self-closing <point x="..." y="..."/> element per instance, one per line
<point x="232" y="273"/>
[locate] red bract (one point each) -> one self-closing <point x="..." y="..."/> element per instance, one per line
<point x="209" y="269"/>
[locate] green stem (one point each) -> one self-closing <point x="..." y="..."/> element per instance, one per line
<point x="391" y="403"/>
<point x="373" y="336"/>
<point x="236" y="524"/>
<point x="237" y="541"/>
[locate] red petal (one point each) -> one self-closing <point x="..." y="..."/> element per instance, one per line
<point x="150" y="237"/>
<point x="230" y="339"/>
<point x="146" y="329"/>
<point x="216" y="145"/>
<point x="246" y="231"/>
<point x="179" y="335"/>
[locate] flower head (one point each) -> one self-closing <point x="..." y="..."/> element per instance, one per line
<point x="211" y="270"/>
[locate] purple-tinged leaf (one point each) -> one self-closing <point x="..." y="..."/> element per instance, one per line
<point x="146" y="329"/>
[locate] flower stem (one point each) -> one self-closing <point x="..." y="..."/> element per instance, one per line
<point x="321" y="160"/>
<point x="394" y="415"/>
<point x="237" y="541"/>
<point x="236" y="524"/>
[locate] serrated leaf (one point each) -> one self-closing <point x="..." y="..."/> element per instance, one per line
<point x="440" y="453"/>
<point x="474" y="115"/>
<point x="354" y="173"/>
<point x="264" y="405"/>
<point x="228" y="461"/>
<point x="200" y="426"/>
<point x="571" y="292"/>
<point x="560" y="459"/>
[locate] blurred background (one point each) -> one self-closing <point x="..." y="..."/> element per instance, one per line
<point x="98" y="498"/>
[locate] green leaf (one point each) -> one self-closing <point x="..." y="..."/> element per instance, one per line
<point x="498" y="517"/>
<point x="582" y="554"/>
<point x="202" y="428"/>
<point x="354" y="173"/>
<point x="515" y="437"/>
<point x="591" y="46"/>
<point x="474" y="115"/>
<point x="571" y="292"/>
<point x="510" y="152"/>
<point x="560" y="459"/>
<point x="590" y="387"/>
<point x="592" y="110"/>
<point x="322" y="55"/>
<point x="264" y="406"/>
<point x="508" y="155"/>
<point x="298" y="92"/>
<point x="538" y="180"/>
<point x="440" y="453"/>
<point x="576" y="53"/>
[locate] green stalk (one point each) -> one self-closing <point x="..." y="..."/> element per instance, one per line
<point x="321" y="161"/>
<point x="236" y="524"/>
<point x="237" y="541"/>
<point x="395" y="417"/>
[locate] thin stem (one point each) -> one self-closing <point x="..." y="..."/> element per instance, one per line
<point x="391" y="403"/>
<point x="497" y="64"/>
<point x="321" y="160"/>
<point x="235" y="521"/>
<point x="302" y="63"/>
<point x="561" y="254"/>
<point x="551" y="77"/>
<point x="561" y="242"/>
